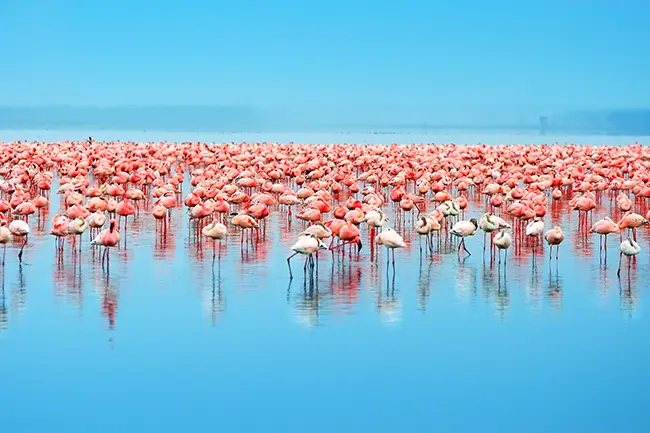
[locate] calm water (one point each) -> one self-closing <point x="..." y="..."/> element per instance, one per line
<point x="169" y="342"/>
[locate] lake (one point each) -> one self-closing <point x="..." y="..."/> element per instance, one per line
<point x="171" y="340"/>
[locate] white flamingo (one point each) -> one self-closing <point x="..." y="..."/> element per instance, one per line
<point x="463" y="229"/>
<point x="630" y="249"/>
<point x="391" y="240"/>
<point x="306" y="245"/>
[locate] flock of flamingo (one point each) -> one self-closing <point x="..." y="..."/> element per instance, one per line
<point x="335" y="190"/>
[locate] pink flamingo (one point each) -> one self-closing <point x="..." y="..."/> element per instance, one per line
<point x="108" y="238"/>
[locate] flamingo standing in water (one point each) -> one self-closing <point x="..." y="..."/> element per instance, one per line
<point x="554" y="237"/>
<point x="124" y="209"/>
<point x="320" y="230"/>
<point x="349" y="234"/>
<point x="77" y="227"/>
<point x="502" y="241"/>
<point x="96" y="220"/>
<point x="423" y="228"/>
<point x="375" y="218"/>
<point x="244" y="222"/>
<point x="491" y="223"/>
<point x="215" y="231"/>
<point x="5" y="236"/>
<point x="629" y="248"/>
<point x="108" y="238"/>
<point x="21" y="229"/>
<point x="603" y="228"/>
<point x="391" y="240"/>
<point x="60" y="230"/>
<point x="463" y="229"/>
<point x="535" y="229"/>
<point x="159" y="212"/>
<point x="306" y="245"/>
<point x="632" y="221"/>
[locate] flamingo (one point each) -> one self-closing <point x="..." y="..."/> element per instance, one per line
<point x="629" y="248"/>
<point x="76" y="227"/>
<point x="423" y="228"/>
<point x="5" y="236"/>
<point x="632" y="221"/>
<point x="20" y="228"/>
<point x="535" y="229"/>
<point x="463" y="229"/>
<point x="391" y="240"/>
<point x="245" y="222"/>
<point x="108" y="238"/>
<point x="604" y="227"/>
<point x="554" y="238"/>
<point x="305" y="245"/>
<point x="490" y="223"/>
<point x="215" y="231"/>
<point x="502" y="241"/>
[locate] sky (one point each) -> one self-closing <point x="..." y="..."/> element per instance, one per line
<point x="342" y="57"/>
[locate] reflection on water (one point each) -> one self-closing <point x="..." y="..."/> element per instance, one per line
<point x="19" y="291"/>
<point x="213" y="299"/>
<point x="172" y="254"/>
<point x="3" y="304"/>
<point x="169" y="320"/>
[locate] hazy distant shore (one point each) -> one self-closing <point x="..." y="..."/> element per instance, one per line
<point x="386" y="137"/>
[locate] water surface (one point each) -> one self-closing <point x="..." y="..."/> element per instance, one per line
<point x="170" y="341"/>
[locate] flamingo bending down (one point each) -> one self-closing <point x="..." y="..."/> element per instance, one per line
<point x="629" y="248"/>
<point x="21" y="229"/>
<point x="305" y="245"/>
<point x="463" y="229"/>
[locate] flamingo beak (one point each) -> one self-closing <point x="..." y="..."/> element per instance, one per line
<point x="359" y="246"/>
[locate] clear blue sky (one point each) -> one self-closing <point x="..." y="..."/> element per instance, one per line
<point x="455" y="54"/>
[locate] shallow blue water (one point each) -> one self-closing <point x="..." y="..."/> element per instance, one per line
<point x="169" y="342"/>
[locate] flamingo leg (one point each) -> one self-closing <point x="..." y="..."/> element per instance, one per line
<point x="484" y="242"/>
<point x="289" y="265"/>
<point x="20" y="254"/>
<point x="465" y="248"/>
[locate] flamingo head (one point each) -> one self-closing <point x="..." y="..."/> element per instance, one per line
<point x="473" y="221"/>
<point x="357" y="241"/>
<point x="112" y="224"/>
